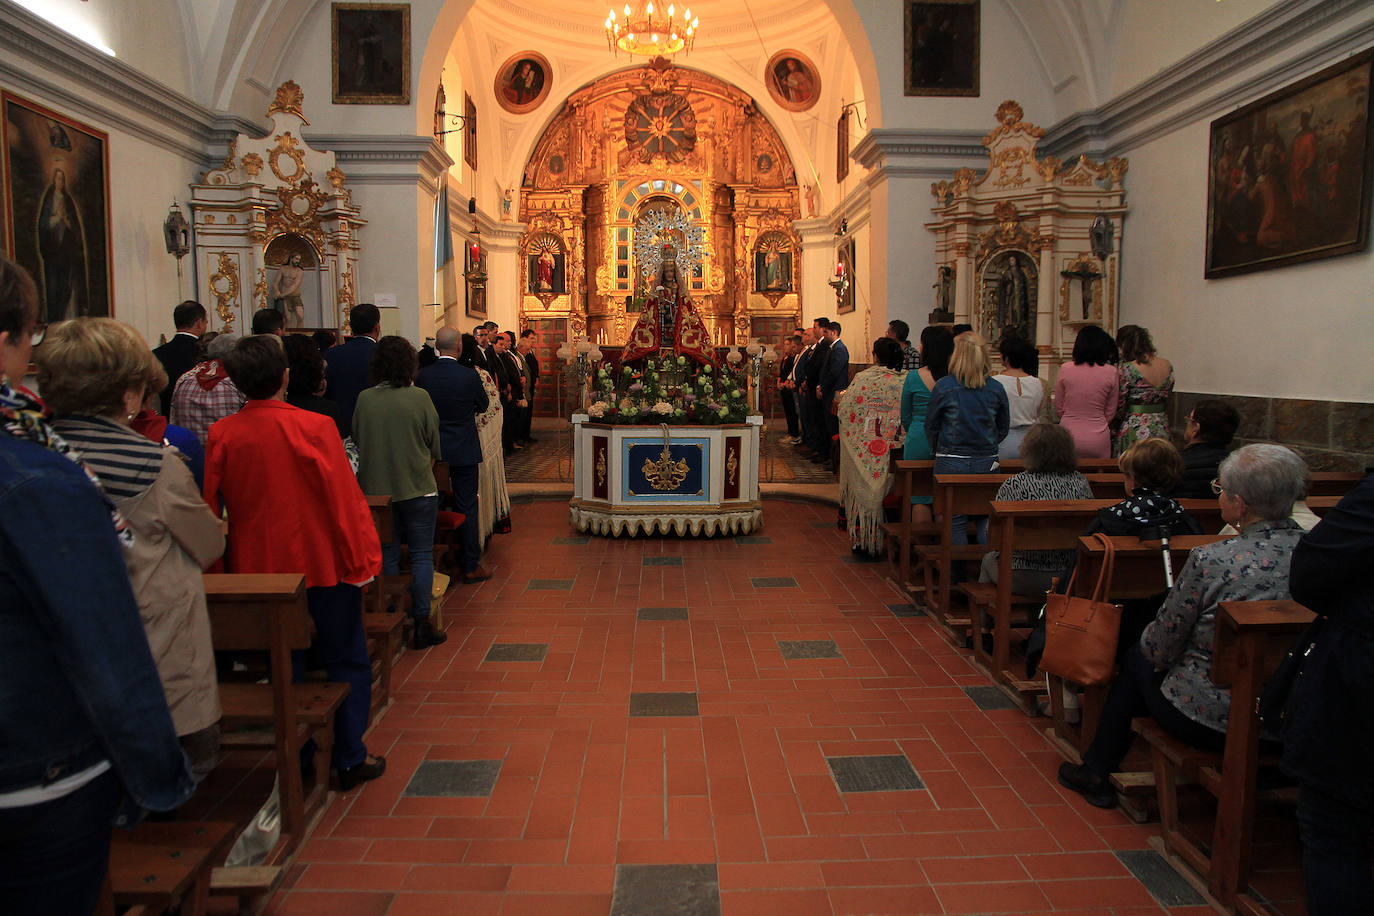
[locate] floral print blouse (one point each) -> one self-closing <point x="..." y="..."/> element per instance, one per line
<point x="1253" y="566"/>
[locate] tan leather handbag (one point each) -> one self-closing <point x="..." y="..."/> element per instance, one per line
<point x="1081" y="633"/>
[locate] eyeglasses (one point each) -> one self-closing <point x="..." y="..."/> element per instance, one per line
<point x="1216" y="485"/>
<point x="36" y="334"/>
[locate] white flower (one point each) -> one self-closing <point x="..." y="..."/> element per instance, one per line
<point x="597" y="409"/>
<point x="663" y="408"/>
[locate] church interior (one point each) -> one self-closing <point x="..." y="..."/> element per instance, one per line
<point x="1042" y="167"/>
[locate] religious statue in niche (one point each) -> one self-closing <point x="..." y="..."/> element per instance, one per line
<point x="1009" y="296"/>
<point x="547" y="271"/>
<point x="291" y="285"/>
<point x="773" y="264"/>
<point x="944" y="297"/>
<point x="669" y="323"/>
<point x="286" y="289"/>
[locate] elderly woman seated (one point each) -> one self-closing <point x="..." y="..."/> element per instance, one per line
<point x="1167" y="673"/>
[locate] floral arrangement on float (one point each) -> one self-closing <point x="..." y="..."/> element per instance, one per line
<point x="669" y="389"/>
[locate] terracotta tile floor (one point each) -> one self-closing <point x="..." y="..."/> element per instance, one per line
<point x="744" y="785"/>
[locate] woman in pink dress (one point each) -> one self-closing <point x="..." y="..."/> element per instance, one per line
<point x="1087" y="392"/>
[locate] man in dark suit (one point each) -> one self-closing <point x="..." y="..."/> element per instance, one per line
<point x="816" y="440"/>
<point x="458" y="398"/>
<point x="526" y="350"/>
<point x="178" y="355"/>
<point x="513" y="394"/>
<point x="834" y="379"/>
<point x="790" y="350"/>
<point x="348" y="366"/>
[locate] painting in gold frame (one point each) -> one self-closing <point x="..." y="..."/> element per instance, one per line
<point x="370" y="51"/>
<point x="57" y="208"/>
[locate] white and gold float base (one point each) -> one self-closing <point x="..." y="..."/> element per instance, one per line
<point x="684" y="480"/>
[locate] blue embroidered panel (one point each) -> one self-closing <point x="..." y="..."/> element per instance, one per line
<point x="685" y="478"/>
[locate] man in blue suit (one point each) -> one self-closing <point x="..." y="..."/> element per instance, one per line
<point x="834" y="379"/>
<point x="459" y="397"/>
<point x="349" y="365"/>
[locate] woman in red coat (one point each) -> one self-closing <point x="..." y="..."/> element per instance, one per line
<point x="295" y="507"/>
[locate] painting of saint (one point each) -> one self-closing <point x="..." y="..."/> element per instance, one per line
<point x="1289" y="178"/>
<point x="546" y="271"/>
<point x="942" y="43"/>
<point x="522" y="82"/>
<point x="371" y="53"/>
<point x="773" y="268"/>
<point x="56" y="208"/>
<point x="792" y="81"/>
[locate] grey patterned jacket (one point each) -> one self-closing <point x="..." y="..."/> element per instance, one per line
<point x="1253" y="566"/>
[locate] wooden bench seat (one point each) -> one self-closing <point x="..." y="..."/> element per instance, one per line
<point x="1251" y="639"/>
<point x="165" y="866"/>
<point x="386" y="642"/>
<point x="267" y="612"/>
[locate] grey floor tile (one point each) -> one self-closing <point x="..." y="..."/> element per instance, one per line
<point x="752" y="539"/>
<point x="1159" y="878"/>
<point x="773" y="581"/>
<point x="453" y="779"/>
<point x="663" y="561"/>
<point x="809" y="648"/>
<point x="663" y="704"/>
<point x="550" y="585"/>
<point x="663" y="613"/>
<point x="584" y="539"/>
<point x="882" y="773"/>
<point x="905" y="610"/>
<point x="988" y="698"/>
<point x="517" y="652"/>
<point x="666" y="890"/>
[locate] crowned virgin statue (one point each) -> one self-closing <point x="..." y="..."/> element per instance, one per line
<point x="669" y="323"/>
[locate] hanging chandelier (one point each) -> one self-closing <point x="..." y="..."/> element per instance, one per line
<point x="644" y="31"/>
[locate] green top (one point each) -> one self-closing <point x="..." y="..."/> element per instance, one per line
<point x="397" y="434"/>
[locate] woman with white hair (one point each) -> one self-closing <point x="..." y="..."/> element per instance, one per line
<point x="1166" y="675"/>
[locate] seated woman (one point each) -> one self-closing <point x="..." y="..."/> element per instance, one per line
<point x="1051" y="473"/>
<point x="869" y="412"/>
<point x="294" y="506"/>
<point x="1166" y="673"/>
<point x="87" y="737"/>
<point x="96" y="374"/>
<point x="1207" y="436"/>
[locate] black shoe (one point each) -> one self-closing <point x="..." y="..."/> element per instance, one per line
<point x="426" y="636"/>
<point x="363" y="772"/>
<point x="1095" y="788"/>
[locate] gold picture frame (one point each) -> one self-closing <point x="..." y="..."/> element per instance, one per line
<point x="370" y="53"/>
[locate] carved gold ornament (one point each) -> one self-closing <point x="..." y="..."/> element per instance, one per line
<point x="731" y="467"/>
<point x="665" y="473"/>
<point x="260" y="289"/>
<point x="290" y="99"/>
<point x="224" y="284"/>
<point x="336" y="178"/>
<point x="288" y="147"/>
<point x="601" y="467"/>
<point x="345" y="298"/>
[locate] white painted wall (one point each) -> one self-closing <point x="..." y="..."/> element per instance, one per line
<point x="1149" y="35"/>
<point x="1297" y="332"/>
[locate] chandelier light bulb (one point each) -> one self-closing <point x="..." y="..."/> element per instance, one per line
<point x="654" y="38"/>
<point x="670" y="9"/>
<point x="651" y="7"/>
<point x="687" y="14"/>
<point x="627" y="9"/>
<point x="696" y="22"/>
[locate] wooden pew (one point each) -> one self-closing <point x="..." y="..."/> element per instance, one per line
<point x="164" y="866"/>
<point x="1332" y="483"/>
<point x="267" y="612"/>
<point x="385" y="632"/>
<point x="1138" y="573"/>
<point x="970" y="494"/>
<point x="1251" y="639"/>
<point x="1035" y="525"/>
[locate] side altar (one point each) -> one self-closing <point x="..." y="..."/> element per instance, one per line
<point x="643" y="479"/>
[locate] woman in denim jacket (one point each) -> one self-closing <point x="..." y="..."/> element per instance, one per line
<point x="88" y="739"/>
<point x="966" y="420"/>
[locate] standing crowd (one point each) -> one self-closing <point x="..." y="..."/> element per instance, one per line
<point x="138" y="469"/>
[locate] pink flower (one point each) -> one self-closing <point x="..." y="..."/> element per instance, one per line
<point x="878" y="447"/>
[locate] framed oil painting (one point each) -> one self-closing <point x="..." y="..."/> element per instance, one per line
<point x="547" y="270"/>
<point x="474" y="297"/>
<point x="942" y="41"/>
<point x="469" y="131"/>
<point x="1289" y="175"/>
<point x="847" y="257"/>
<point x="842" y="145"/>
<point x="792" y="81"/>
<point x="773" y="264"/>
<point x="522" y="82"/>
<point x="370" y="49"/>
<point x="57" y="208"/>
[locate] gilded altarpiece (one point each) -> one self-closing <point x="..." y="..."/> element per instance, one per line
<point x="1013" y="245"/>
<point x="271" y="196"/>
<point x="630" y="151"/>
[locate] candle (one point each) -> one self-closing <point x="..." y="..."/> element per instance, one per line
<point x="839" y="268"/>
